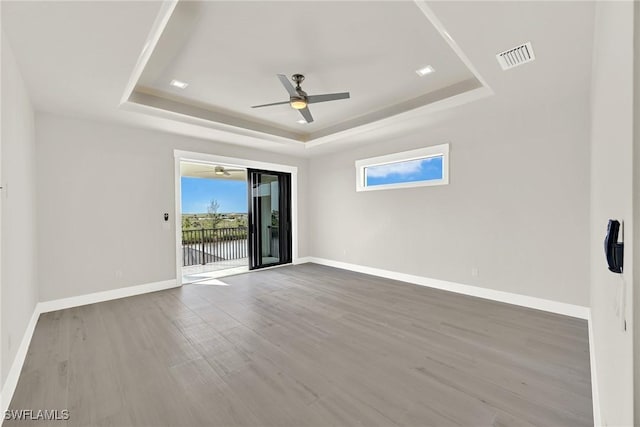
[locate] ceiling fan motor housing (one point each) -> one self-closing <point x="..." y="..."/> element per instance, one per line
<point x="298" y="102"/>
<point x="297" y="79"/>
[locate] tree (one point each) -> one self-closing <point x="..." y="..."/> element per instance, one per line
<point x="213" y="217"/>
<point x="241" y="221"/>
<point x="186" y="223"/>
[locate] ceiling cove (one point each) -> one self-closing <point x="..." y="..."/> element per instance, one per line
<point x="206" y="63"/>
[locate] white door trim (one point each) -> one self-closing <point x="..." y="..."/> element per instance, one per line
<point x="181" y="155"/>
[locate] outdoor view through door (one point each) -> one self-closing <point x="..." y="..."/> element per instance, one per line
<point x="232" y="219"/>
<point x="214" y="220"/>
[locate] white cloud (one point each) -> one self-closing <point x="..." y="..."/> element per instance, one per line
<point x="400" y="168"/>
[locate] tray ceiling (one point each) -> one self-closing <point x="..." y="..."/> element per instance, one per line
<point x="230" y="52"/>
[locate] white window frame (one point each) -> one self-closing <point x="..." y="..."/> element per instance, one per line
<point x="404" y="156"/>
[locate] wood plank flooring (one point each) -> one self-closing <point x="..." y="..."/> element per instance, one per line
<point x="307" y="345"/>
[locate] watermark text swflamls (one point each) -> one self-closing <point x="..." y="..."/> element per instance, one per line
<point x="36" y="415"/>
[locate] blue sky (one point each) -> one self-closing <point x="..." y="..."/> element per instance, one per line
<point x="408" y="171"/>
<point x="197" y="194"/>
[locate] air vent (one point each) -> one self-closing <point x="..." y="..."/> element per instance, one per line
<point x="517" y="56"/>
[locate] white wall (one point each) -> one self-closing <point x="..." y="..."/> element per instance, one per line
<point x="18" y="198"/>
<point x="103" y="189"/>
<point x="516" y="208"/>
<point x="611" y="197"/>
<point x="636" y="213"/>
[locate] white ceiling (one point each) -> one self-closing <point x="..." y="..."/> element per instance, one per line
<point x="77" y="59"/>
<point x="230" y="53"/>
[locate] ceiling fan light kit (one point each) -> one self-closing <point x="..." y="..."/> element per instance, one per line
<point x="298" y="98"/>
<point x="298" y="103"/>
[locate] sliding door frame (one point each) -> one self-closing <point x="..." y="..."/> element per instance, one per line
<point x="255" y="221"/>
<point x="190" y="156"/>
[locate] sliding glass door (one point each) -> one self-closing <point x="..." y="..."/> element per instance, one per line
<point x="269" y="218"/>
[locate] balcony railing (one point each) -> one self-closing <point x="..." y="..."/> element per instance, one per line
<point x="205" y="246"/>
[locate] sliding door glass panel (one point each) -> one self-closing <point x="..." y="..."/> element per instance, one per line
<point x="269" y="214"/>
<point x="270" y="242"/>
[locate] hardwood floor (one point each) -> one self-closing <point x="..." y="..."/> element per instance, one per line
<point x="307" y="345"/>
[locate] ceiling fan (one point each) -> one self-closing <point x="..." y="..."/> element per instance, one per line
<point x="221" y="171"/>
<point x="299" y="100"/>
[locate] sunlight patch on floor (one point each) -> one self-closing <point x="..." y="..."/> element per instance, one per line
<point x="212" y="282"/>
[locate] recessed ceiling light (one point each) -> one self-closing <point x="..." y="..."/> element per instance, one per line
<point x="425" y="70"/>
<point x="179" y="84"/>
<point x="302" y="121"/>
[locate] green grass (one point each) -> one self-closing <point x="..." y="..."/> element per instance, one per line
<point x="208" y="221"/>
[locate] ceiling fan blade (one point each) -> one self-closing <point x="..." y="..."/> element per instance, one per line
<point x="327" y="97"/>
<point x="287" y="85"/>
<point x="306" y="114"/>
<point x="226" y="173"/>
<point x="269" y="105"/>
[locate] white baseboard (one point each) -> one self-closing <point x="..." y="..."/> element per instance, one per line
<point x="303" y="260"/>
<point x="16" y="367"/>
<point x="595" y="394"/>
<point x="44" y="307"/>
<point x="61" y="304"/>
<point x="572" y="310"/>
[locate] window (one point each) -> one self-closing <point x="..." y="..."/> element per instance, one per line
<point x="415" y="168"/>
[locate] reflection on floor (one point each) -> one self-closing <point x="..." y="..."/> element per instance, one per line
<point x="197" y="273"/>
<point x="266" y="260"/>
